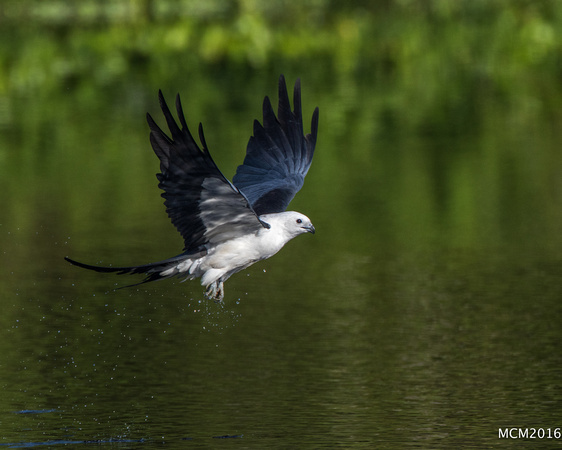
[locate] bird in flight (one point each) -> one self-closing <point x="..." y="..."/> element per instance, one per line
<point x="228" y="226"/>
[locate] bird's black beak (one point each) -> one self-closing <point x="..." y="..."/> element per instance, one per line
<point x="310" y="229"/>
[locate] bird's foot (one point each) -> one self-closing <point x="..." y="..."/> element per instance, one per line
<point x="215" y="291"/>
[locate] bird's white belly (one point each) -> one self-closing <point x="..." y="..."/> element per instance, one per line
<point x="242" y="252"/>
<point x="231" y="256"/>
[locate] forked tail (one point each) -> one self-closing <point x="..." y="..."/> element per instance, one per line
<point x="154" y="271"/>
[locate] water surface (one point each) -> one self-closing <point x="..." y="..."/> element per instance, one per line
<point x="424" y="313"/>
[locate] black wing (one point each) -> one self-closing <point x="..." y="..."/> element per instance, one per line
<point x="278" y="155"/>
<point x="202" y="204"/>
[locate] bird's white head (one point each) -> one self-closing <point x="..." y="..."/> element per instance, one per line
<point x="295" y="223"/>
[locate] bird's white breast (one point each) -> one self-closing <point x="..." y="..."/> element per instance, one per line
<point x="247" y="249"/>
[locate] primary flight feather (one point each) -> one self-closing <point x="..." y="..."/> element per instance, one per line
<point x="227" y="226"/>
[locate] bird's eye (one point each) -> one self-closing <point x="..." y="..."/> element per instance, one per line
<point x="299" y="220"/>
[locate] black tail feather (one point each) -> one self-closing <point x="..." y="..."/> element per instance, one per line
<point x="119" y="270"/>
<point x="153" y="270"/>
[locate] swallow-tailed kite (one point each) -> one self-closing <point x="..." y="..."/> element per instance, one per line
<point x="228" y="226"/>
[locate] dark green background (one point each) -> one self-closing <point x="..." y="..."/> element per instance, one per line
<point x="425" y="312"/>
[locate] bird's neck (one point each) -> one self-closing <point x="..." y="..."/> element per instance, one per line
<point x="277" y="235"/>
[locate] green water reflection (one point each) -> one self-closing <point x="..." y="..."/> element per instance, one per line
<point x="425" y="311"/>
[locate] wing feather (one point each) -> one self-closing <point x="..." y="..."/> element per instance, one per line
<point x="201" y="203"/>
<point x="278" y="155"/>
